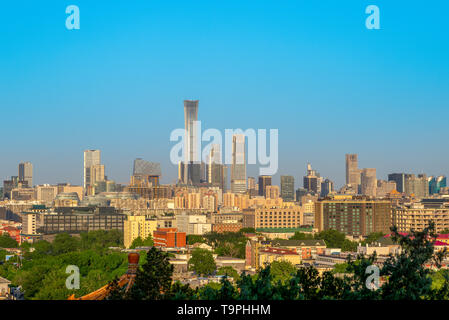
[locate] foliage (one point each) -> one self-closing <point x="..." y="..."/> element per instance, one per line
<point x="228" y="243"/>
<point x="282" y="270"/>
<point x="42" y="274"/>
<point x="7" y="242"/>
<point x="153" y="280"/>
<point x="194" y="238"/>
<point x="202" y="262"/>
<point x="228" y="271"/>
<point x="139" y="242"/>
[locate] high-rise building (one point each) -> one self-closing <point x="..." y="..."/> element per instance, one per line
<point x="436" y="183"/>
<point x="369" y="182"/>
<point x="146" y="173"/>
<point x="399" y="178"/>
<point x="238" y="167"/>
<point x="272" y="192"/>
<point x="352" y="171"/>
<point x="312" y="181"/>
<point x="91" y="158"/>
<point x="214" y="168"/>
<point x="264" y="181"/>
<point x="192" y="163"/>
<point x="288" y="188"/>
<point x="417" y="186"/>
<point x="327" y="186"/>
<point x="26" y="173"/>
<point x="384" y="188"/>
<point x="353" y="216"/>
<point x="137" y="226"/>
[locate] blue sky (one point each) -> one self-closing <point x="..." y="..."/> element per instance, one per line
<point x="308" y="68"/>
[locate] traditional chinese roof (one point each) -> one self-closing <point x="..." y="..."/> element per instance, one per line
<point x="125" y="281"/>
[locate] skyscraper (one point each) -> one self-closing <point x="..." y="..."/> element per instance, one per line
<point x="417" y="186"/>
<point x="327" y="186"/>
<point x="353" y="173"/>
<point x="264" y="181"/>
<point x="26" y="173"/>
<point x="369" y="182"/>
<point x="216" y="172"/>
<point x="146" y="173"/>
<point x="399" y="178"/>
<point x="436" y="183"/>
<point x="238" y="166"/>
<point x="312" y="181"/>
<point x="192" y="163"/>
<point x="91" y="159"/>
<point x="288" y="188"/>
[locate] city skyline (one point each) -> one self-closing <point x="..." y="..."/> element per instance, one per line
<point x="299" y="74"/>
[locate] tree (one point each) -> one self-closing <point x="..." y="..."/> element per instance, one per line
<point x="282" y="270"/>
<point x="301" y="236"/>
<point x="332" y="238"/>
<point x="137" y="242"/>
<point x="202" y="262"/>
<point x="372" y="237"/>
<point x="153" y="280"/>
<point x="408" y="278"/>
<point x="64" y="243"/>
<point x="228" y="271"/>
<point x="7" y="242"/>
<point x="194" y="238"/>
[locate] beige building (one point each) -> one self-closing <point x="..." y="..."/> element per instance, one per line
<point x="137" y="226"/>
<point x="272" y="192"/>
<point x="46" y="193"/>
<point x="289" y="217"/>
<point x="415" y="216"/>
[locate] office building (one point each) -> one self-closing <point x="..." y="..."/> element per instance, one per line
<point x="137" y="226"/>
<point x="272" y="192"/>
<point x="92" y="167"/>
<point x="289" y="217"/>
<point x="399" y="179"/>
<point x="327" y="187"/>
<point x="416" y="186"/>
<point x="352" y="171"/>
<point x="288" y="188"/>
<point x="82" y="219"/>
<point x="238" y="167"/>
<point x="417" y="216"/>
<point x="384" y="188"/>
<point x="216" y="171"/>
<point x="436" y="183"/>
<point x="264" y="181"/>
<point x="26" y="173"/>
<point x="369" y="182"/>
<point x="169" y="238"/>
<point x="353" y="216"/>
<point x="312" y="181"/>
<point x="192" y="162"/>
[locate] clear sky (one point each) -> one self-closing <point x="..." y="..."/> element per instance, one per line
<point x="308" y="68"/>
